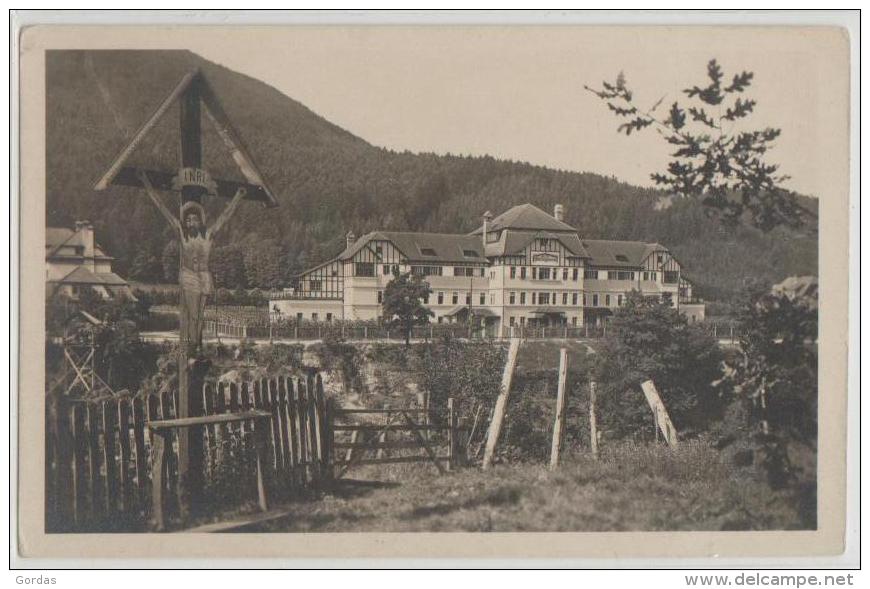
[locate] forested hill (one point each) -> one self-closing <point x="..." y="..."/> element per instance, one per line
<point x="329" y="182"/>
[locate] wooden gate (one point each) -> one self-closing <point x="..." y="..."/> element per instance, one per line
<point x="391" y="436"/>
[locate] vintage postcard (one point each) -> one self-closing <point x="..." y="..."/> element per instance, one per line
<point x="433" y="291"/>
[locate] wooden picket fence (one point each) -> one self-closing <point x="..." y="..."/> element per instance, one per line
<point x="99" y="452"/>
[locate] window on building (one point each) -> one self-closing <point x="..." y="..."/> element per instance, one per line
<point x="315" y="285"/>
<point x="624" y="275"/>
<point x="483" y="298"/>
<point x="427" y="251"/>
<point x="522" y="320"/>
<point x="534" y="273"/>
<point x="470" y="254"/>
<point x="574" y="299"/>
<point x="314" y="317"/>
<point x="483" y="273"/>
<point x="513" y="271"/>
<point x="606" y="300"/>
<point x="380" y="297"/>
<point x="575" y="273"/>
<point x="544" y="274"/>
<point x="426" y="299"/>
<point x="654" y="275"/>
<point x="564" y="298"/>
<point x="491" y="298"/>
<point x="512" y="298"/>
<point x="328" y="317"/>
<point x="298" y="316"/>
<point x="671" y="277"/>
<point x="455" y="298"/>
<point x="618" y="300"/>
<point x="574" y="321"/>
<point x="379" y="249"/>
<point x="522" y="298"/>
<point x="584" y="300"/>
<point x="564" y="273"/>
<point x="441" y="319"/>
<point x="534" y="298"/>
<point x="512" y="321"/>
<point x="426" y="270"/>
<point x="440" y="298"/>
<point x="544" y="298"/>
<point x="366" y="269"/>
<point x="660" y="258"/>
<point x="595" y="300"/>
<point x="492" y="236"/>
<point x="468" y="298"/>
<point x="621" y="258"/>
<point x="590" y="274"/>
<point x="334" y="272"/>
<point x="523" y="272"/>
<point x="386" y="269"/>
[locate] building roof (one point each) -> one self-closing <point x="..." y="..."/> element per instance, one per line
<point x="512" y="242"/>
<point x="82" y="275"/>
<point x="57" y="237"/>
<point x="446" y="247"/>
<point x="526" y="216"/>
<point x="627" y="254"/>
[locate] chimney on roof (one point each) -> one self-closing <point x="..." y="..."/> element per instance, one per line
<point x="86" y="233"/>
<point x="487" y="217"/>
<point x="351" y="238"/>
<point x="559" y="212"/>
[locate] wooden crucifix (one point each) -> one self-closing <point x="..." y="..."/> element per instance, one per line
<point x="193" y="183"/>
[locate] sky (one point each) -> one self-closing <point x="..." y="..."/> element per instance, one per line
<point x="518" y="92"/>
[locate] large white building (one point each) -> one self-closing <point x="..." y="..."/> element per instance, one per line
<point x="524" y="267"/>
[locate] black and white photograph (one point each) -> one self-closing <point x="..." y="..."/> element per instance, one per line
<point x="331" y="280"/>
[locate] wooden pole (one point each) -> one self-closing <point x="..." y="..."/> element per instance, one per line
<point x="660" y="413"/>
<point x="501" y="404"/>
<point x="559" y="425"/>
<point x="189" y="377"/>
<point x="593" y="419"/>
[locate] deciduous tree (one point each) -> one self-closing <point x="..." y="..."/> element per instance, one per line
<point x="403" y="302"/>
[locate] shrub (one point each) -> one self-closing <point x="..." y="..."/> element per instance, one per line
<point x="648" y="339"/>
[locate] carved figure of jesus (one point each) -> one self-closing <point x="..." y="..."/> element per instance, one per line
<point x="195" y="239"/>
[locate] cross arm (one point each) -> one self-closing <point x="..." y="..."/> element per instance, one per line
<point x="129" y="176"/>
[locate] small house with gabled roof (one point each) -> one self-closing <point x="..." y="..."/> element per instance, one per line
<point x="74" y="262"/>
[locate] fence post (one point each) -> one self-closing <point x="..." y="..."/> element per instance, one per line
<point x="501" y="404"/>
<point x="329" y="437"/>
<point x="452" y="445"/>
<point x="593" y="419"/>
<point x="558" y="426"/>
<point x="158" y="467"/>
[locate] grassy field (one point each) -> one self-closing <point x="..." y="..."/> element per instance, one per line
<point x="629" y="488"/>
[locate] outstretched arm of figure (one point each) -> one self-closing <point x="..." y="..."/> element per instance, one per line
<point x="227" y="212"/>
<point x="155" y="198"/>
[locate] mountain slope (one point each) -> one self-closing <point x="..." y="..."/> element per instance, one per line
<point x="329" y="181"/>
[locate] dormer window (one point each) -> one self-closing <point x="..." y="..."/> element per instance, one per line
<point x="621" y="258"/>
<point x="469" y="253"/>
<point x="427" y="251"/>
<point x="492" y="237"/>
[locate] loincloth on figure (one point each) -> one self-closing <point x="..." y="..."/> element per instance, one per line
<point x="196" y="282"/>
